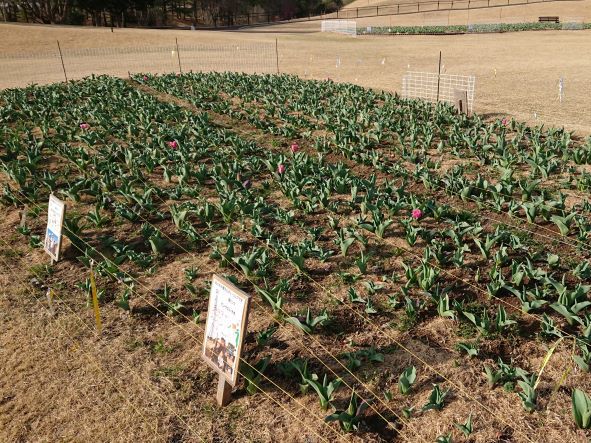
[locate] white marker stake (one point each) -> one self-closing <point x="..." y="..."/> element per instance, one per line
<point x="24" y="216"/>
<point x="49" y="295"/>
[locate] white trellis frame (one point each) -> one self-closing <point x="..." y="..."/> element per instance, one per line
<point x="431" y="86"/>
<point x="573" y="23"/>
<point x="347" y="27"/>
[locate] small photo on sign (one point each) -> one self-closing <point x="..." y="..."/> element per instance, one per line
<point x="51" y="242"/>
<point x="225" y="328"/>
<point x="53" y="234"/>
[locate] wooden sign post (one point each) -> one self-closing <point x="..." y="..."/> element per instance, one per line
<point x="227" y="318"/>
<point x="56" y="212"/>
<point x="461" y="101"/>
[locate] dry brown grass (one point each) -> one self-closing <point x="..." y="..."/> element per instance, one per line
<point x="142" y="380"/>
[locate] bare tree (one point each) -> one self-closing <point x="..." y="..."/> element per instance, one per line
<point x="46" y="11"/>
<point x="9" y="9"/>
<point x="151" y="12"/>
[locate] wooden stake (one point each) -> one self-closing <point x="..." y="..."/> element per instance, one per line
<point x="224" y="391"/>
<point x="439" y="77"/>
<point x="62" y="58"/>
<point x="178" y="54"/>
<point x="277" y="54"/>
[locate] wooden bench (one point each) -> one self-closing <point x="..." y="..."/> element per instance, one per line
<point x="549" y="19"/>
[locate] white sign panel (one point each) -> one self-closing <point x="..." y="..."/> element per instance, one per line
<point x="225" y="328"/>
<point x="55" y="220"/>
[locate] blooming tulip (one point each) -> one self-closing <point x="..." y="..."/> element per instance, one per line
<point x="173" y="144"/>
<point x="281" y="168"/>
<point x="416" y="214"/>
<point x="84" y="126"/>
<point x="294" y="148"/>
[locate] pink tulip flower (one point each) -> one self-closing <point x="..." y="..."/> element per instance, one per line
<point x="145" y="78"/>
<point x="416" y="214"/>
<point x="84" y="126"/>
<point x="173" y="144"/>
<point x="294" y="148"/>
<point x="281" y="168"/>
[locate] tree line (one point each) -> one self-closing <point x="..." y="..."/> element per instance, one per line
<point x="123" y="13"/>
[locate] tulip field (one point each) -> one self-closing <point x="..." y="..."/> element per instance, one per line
<point x="416" y="274"/>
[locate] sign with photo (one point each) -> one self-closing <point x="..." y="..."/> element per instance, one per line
<point x="225" y="328"/>
<point x="55" y="220"/>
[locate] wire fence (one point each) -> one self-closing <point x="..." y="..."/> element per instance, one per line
<point x="573" y="23"/>
<point x="401" y="8"/>
<point x="21" y="69"/>
<point x="347" y="27"/>
<point x="435" y="87"/>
